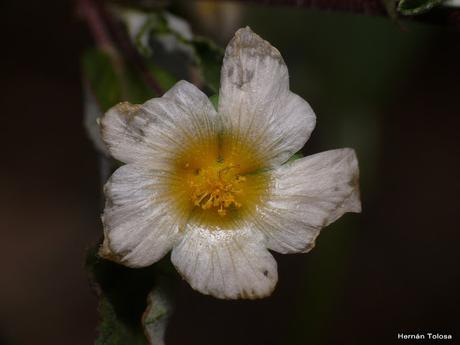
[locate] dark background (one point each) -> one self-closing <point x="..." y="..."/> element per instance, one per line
<point x="392" y="93"/>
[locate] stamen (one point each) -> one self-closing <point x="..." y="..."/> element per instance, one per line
<point x="216" y="187"/>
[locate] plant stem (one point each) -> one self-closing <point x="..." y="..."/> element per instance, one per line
<point x="442" y="15"/>
<point x="372" y="7"/>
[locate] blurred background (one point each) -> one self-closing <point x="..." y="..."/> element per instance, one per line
<point x="390" y="91"/>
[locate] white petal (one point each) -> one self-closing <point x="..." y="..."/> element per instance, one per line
<point x="226" y="263"/>
<point x="140" y="223"/>
<point x="307" y="195"/>
<point x="255" y="102"/>
<point x="152" y="134"/>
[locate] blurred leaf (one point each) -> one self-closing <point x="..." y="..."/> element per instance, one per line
<point x="134" y="303"/>
<point x="214" y="100"/>
<point x="110" y="86"/>
<point x="103" y="80"/>
<point x="167" y="41"/>
<point x="414" y="7"/>
<point x="210" y="58"/>
<point x="160" y="37"/>
<point x="135" y="88"/>
<point x="123" y="292"/>
<point x="164" y="78"/>
<point x="108" y="81"/>
<point x="112" y="331"/>
<point x="153" y="23"/>
<point x="137" y="91"/>
<point x="143" y="27"/>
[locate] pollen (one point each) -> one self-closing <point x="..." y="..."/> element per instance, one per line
<point x="217" y="181"/>
<point x="218" y="187"/>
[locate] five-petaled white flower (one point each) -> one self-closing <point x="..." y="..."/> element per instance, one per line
<point x="214" y="186"/>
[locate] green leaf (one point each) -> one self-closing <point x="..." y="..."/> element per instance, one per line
<point x="154" y="23"/>
<point x="135" y="304"/>
<point x="167" y="41"/>
<point x="135" y="88"/>
<point x="114" y="332"/>
<point x="111" y="86"/>
<point x="210" y="58"/>
<point x="123" y="292"/>
<point x="164" y="78"/>
<point x="103" y="80"/>
<point x="414" y="7"/>
<point x="137" y="91"/>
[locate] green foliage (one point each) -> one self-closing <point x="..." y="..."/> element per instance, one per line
<point x="123" y="293"/>
<point x="210" y="58"/>
<point x="136" y="90"/>
<point x="164" y="78"/>
<point x="114" y="332"/>
<point x="104" y="82"/>
<point x="112" y="81"/>
<point x="126" y="310"/>
<point x="168" y="41"/>
<point x="414" y="7"/>
<point x="154" y="24"/>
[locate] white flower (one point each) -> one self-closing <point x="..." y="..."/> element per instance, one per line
<point x="213" y="186"/>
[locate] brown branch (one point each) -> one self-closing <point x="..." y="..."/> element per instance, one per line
<point x="439" y="15"/>
<point x="90" y="13"/>
<point x="372" y="7"/>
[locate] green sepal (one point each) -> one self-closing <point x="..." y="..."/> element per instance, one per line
<point x="295" y="157"/>
<point x="214" y="100"/>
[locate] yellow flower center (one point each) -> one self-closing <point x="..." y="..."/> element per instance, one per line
<point x="217" y="187"/>
<point x="217" y="182"/>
